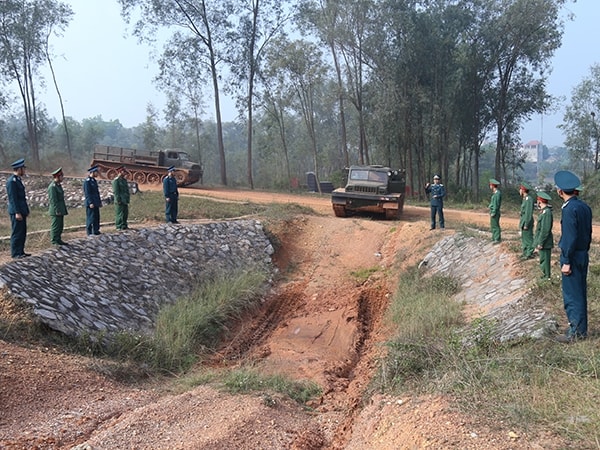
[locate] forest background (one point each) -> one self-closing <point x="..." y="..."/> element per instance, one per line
<point x="439" y="86"/>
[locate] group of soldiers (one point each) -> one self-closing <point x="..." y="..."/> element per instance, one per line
<point x="18" y="209"/>
<point x="574" y="243"/>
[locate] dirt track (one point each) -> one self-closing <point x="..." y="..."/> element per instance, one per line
<point x="320" y="323"/>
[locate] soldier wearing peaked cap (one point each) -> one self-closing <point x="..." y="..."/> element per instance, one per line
<point x="121" y="193"/>
<point x="18" y="210"/>
<point x="93" y="202"/>
<point x="57" y="208"/>
<point x="574" y="243"/>
<point x="544" y="241"/>
<point x="526" y="220"/>
<point x="171" y="195"/>
<point x="495" y="204"/>
<point x="436" y="192"/>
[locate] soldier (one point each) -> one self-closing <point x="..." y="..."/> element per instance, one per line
<point x="544" y="241"/>
<point x="495" y="203"/>
<point x="526" y="221"/>
<point x="171" y="195"/>
<point x="574" y="243"/>
<point x="120" y="189"/>
<point x="57" y="207"/>
<point x="93" y="202"/>
<point x="18" y="210"/>
<point x="437" y="192"/>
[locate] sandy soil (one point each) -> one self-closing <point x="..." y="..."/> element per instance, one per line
<point x="320" y="323"/>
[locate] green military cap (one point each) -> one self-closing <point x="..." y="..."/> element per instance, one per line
<point x="57" y="172"/>
<point x="494" y="181"/>
<point x="526" y="186"/>
<point x="544" y="196"/>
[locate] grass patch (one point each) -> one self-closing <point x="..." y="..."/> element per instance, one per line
<point x="194" y="325"/>
<point x="362" y="275"/>
<point x="246" y="380"/>
<point x="533" y="384"/>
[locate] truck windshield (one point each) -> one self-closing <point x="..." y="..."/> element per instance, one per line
<point x="368" y="175"/>
<point x="184" y="156"/>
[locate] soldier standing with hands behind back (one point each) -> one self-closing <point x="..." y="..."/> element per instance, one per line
<point x="93" y="202"/>
<point x="57" y="207"/>
<point x="120" y="189"/>
<point x="574" y="243"/>
<point x="171" y="195"/>
<point x="495" y="204"/>
<point x="18" y="210"/>
<point x="544" y="241"/>
<point x="437" y="192"/>
<point x="526" y="221"/>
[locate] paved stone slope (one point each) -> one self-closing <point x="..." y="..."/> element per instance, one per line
<point x="491" y="288"/>
<point x="115" y="282"/>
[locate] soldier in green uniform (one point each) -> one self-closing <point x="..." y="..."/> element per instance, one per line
<point x="544" y="241"/>
<point x="495" y="203"/>
<point x="120" y="189"/>
<point x="57" y="207"/>
<point x="526" y="220"/>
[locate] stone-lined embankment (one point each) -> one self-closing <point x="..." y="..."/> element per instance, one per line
<point x="119" y="281"/>
<point x="491" y="288"/>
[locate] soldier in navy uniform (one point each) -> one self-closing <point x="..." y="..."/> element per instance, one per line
<point x="574" y="243"/>
<point x="57" y="208"/>
<point x="18" y="210"/>
<point x="436" y="192"/>
<point x="171" y="196"/>
<point x="93" y="202"/>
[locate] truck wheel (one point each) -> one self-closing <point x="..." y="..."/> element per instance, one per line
<point x="339" y="210"/>
<point x="139" y="177"/>
<point x="180" y="177"/>
<point x="111" y="174"/>
<point x="153" y="178"/>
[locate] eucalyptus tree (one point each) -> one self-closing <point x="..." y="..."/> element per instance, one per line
<point x="276" y="100"/>
<point x="521" y="37"/>
<point x="48" y="54"/>
<point x="151" y="130"/>
<point x="581" y="121"/>
<point x="25" y="26"/>
<point x="259" y="22"/>
<point x="358" y="21"/>
<point x="183" y="80"/>
<point x="300" y="67"/>
<point x="206" y="21"/>
<point x="324" y="17"/>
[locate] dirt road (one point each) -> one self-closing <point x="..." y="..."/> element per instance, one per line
<point x="321" y="323"/>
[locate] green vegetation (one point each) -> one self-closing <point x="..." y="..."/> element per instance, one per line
<point x="246" y="380"/>
<point x="194" y="325"/>
<point x="363" y="275"/>
<point x="529" y="383"/>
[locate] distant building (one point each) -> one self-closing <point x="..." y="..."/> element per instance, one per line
<point x="535" y="151"/>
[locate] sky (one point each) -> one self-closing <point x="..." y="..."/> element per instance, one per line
<point x="103" y="70"/>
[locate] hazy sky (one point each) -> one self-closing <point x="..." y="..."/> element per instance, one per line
<point x="102" y="70"/>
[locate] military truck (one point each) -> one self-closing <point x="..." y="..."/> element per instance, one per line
<point x="375" y="189"/>
<point x="146" y="167"/>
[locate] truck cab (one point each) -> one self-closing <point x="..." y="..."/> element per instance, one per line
<point x="372" y="188"/>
